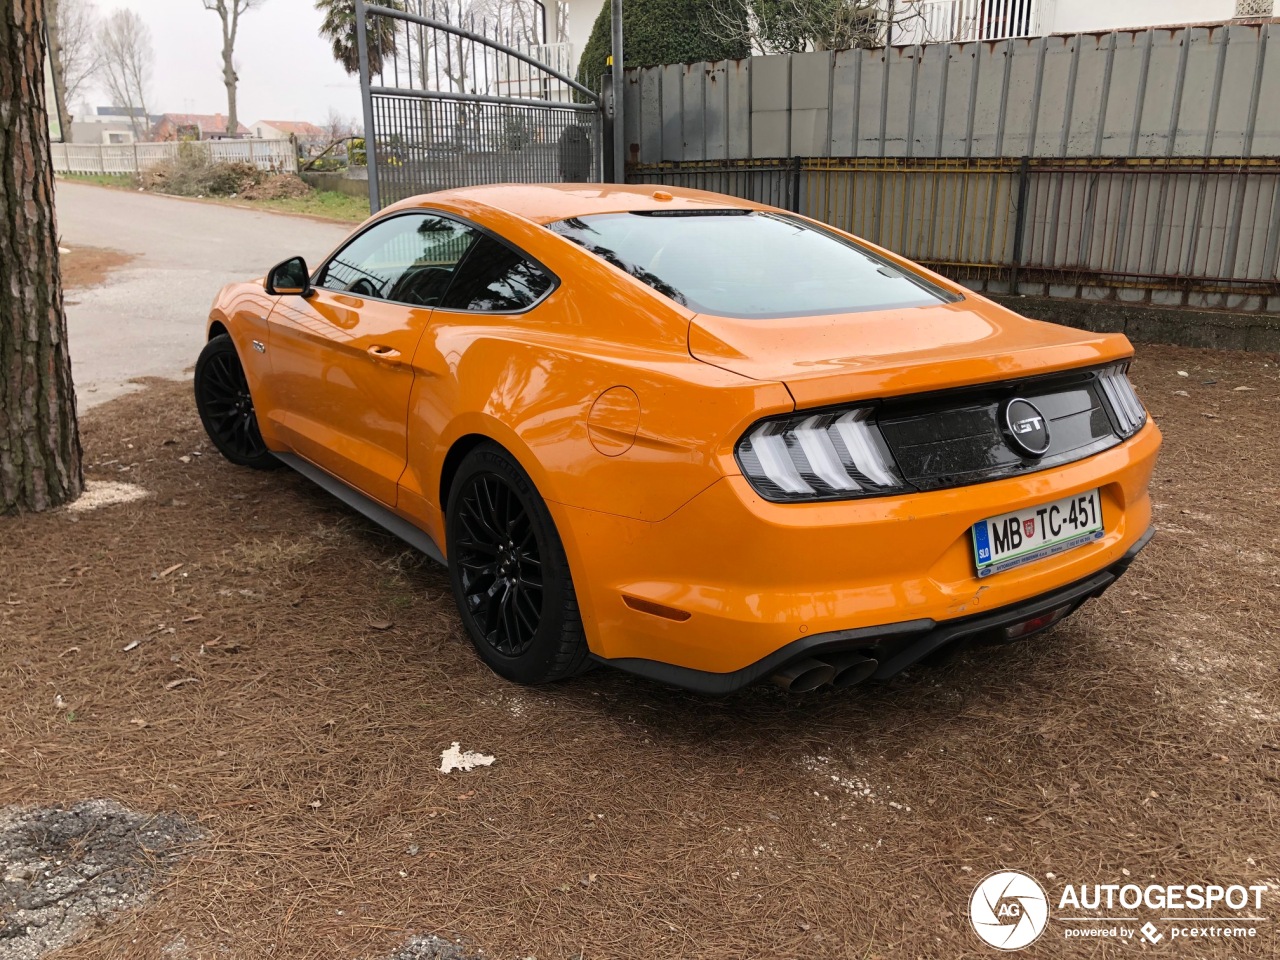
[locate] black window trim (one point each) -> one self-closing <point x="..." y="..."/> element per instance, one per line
<point x="470" y="224"/>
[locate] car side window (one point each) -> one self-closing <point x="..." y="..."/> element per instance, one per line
<point x="494" y="278"/>
<point x="407" y="259"/>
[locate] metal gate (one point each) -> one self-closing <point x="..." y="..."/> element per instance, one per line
<point x="454" y="99"/>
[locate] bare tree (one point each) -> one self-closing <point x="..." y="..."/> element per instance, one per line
<point x="339" y="131"/>
<point x="795" y="26"/>
<point x="52" y="11"/>
<point x="519" y="22"/>
<point x="445" y="57"/>
<point x="40" y="458"/>
<point x="229" y="12"/>
<point x="127" y="59"/>
<point x="74" y="54"/>
<point x="338" y="127"/>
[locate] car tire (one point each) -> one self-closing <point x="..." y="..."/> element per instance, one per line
<point x="226" y="408"/>
<point x="509" y="572"/>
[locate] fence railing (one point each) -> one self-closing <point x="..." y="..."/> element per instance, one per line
<point x="947" y="21"/>
<point x="279" y="156"/>
<point x="1201" y="232"/>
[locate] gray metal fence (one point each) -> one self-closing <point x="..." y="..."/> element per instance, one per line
<point x="1176" y="92"/>
<point x="1197" y="232"/>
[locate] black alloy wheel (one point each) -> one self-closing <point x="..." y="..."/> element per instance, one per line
<point x="226" y="407"/>
<point x="509" y="572"/>
<point x="500" y="565"/>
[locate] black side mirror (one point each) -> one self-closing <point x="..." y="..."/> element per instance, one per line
<point x="290" y="277"/>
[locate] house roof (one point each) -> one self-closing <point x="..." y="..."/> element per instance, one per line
<point x="208" y="123"/>
<point x="299" y="128"/>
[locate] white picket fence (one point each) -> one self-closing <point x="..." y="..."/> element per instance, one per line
<point x="278" y="156"/>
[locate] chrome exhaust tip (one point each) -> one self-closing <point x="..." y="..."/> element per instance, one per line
<point x="803" y="676"/>
<point x="851" y="669"/>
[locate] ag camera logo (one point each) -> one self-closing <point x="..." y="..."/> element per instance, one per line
<point x="1009" y="910"/>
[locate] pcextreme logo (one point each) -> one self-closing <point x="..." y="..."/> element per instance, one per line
<point x="1010" y="910"/>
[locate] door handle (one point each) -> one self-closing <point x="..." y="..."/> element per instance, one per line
<point x="387" y="355"/>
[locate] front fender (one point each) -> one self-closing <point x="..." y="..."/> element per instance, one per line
<point x="242" y="310"/>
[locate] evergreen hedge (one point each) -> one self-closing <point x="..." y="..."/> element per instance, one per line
<point x="653" y="32"/>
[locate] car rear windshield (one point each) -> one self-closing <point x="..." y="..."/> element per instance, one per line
<point x="750" y="264"/>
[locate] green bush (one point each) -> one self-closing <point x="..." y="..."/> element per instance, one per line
<point x="653" y="32"/>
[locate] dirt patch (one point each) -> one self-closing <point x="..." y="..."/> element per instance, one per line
<point x="243" y="649"/>
<point x="64" y="869"/>
<point x="89" y="266"/>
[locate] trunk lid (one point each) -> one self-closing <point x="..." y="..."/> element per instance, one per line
<point x="826" y="359"/>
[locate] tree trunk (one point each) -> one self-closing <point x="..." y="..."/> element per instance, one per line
<point x="55" y="66"/>
<point x="39" y="441"/>
<point x="229" y="78"/>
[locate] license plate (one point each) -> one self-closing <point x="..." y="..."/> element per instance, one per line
<point x="1024" y="536"/>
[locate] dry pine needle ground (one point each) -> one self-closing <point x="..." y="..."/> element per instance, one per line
<point x="324" y="672"/>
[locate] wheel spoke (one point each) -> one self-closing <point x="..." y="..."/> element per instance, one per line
<point x="530" y="613"/>
<point x="497" y="552"/>
<point x="491" y="495"/>
<point x="510" y="626"/>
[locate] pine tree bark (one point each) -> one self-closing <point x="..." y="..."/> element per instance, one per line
<point x="40" y="459"/>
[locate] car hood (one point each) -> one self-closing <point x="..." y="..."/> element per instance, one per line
<point x="894" y="352"/>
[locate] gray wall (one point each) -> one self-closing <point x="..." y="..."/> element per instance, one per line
<point x="1189" y="91"/>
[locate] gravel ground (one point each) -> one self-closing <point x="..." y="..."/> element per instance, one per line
<point x="238" y="652"/>
<point x="67" y="868"/>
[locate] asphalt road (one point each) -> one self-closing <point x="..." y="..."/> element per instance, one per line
<point x="147" y="319"/>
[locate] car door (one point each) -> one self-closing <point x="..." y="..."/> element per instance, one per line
<point x="341" y="359"/>
<point x="492" y="290"/>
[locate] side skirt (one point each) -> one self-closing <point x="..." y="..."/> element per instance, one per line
<point x="363" y="505"/>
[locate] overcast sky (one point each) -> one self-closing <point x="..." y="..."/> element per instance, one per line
<point x="287" y="72"/>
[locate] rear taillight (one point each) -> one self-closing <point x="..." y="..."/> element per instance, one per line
<point x="832" y="455"/>
<point x="1129" y="413"/>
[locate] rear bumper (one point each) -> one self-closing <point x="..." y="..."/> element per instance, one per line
<point x="896" y="646"/>
<point x="746" y="582"/>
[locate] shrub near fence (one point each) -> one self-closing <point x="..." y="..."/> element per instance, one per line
<point x="276" y="156"/>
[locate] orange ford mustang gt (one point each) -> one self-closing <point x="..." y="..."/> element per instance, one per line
<point x="697" y="438"/>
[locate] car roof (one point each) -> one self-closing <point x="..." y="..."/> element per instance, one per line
<point x="547" y="202"/>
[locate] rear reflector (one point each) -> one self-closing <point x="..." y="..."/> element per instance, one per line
<point x="656" y="609"/>
<point x="1035" y="624"/>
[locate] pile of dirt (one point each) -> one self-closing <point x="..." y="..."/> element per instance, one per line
<point x="192" y="174"/>
<point x="284" y="186"/>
